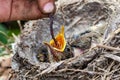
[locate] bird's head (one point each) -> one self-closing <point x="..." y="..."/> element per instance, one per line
<point x="56" y="49"/>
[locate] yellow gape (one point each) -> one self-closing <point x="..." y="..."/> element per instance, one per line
<point x="60" y="39"/>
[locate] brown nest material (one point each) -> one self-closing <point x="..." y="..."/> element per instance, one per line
<point x="90" y="27"/>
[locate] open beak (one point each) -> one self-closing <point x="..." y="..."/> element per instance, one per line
<point x="57" y="49"/>
<point x="61" y="42"/>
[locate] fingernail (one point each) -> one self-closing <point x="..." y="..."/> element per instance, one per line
<point x="48" y="8"/>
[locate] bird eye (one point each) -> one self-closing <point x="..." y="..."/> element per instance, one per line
<point x="68" y="49"/>
<point x="44" y="50"/>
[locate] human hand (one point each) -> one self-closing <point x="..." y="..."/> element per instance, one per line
<point x="25" y="9"/>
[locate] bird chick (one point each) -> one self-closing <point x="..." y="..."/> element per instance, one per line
<point x="42" y="56"/>
<point x="80" y="44"/>
<point x="55" y="51"/>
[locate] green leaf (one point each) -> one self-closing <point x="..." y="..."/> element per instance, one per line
<point x="15" y="31"/>
<point x="2" y="28"/>
<point x="3" y="37"/>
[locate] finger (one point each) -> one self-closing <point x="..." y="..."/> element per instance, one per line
<point x="47" y="6"/>
<point x="25" y="10"/>
<point x="4" y="10"/>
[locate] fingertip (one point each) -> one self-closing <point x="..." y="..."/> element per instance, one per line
<point x="46" y="6"/>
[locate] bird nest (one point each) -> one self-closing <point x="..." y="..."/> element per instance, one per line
<point x="92" y="36"/>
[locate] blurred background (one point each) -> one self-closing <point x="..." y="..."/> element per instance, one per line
<point x="7" y="30"/>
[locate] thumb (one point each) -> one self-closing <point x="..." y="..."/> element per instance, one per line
<point x="46" y="6"/>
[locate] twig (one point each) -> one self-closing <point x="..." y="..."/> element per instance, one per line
<point x="107" y="47"/>
<point x="29" y="71"/>
<point x="70" y="60"/>
<point x="52" y="67"/>
<point x="51" y="28"/>
<point x="101" y="69"/>
<point x="78" y="70"/>
<point x="107" y="71"/>
<point x="114" y="57"/>
<point x="116" y="76"/>
<point x="111" y="35"/>
<point x="100" y="18"/>
<point x="20" y="26"/>
<point x="11" y="75"/>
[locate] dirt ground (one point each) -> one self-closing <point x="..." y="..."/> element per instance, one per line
<point x="92" y="32"/>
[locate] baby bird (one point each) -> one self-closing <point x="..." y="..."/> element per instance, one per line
<point x="55" y="50"/>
